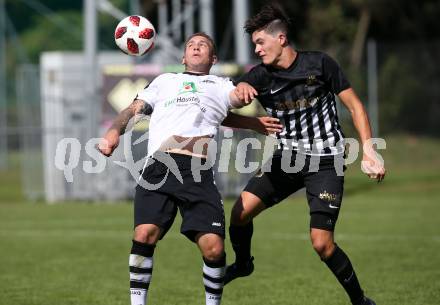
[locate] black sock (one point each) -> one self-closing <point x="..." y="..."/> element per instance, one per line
<point x="340" y="265"/>
<point x="241" y="241"/>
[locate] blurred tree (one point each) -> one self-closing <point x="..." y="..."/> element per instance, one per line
<point x="57" y="25"/>
<point x="408" y="66"/>
<point x="47" y="36"/>
<point x="406" y="20"/>
<point x="147" y="7"/>
<point x="408" y="88"/>
<point x="107" y="25"/>
<point x="326" y="23"/>
<point x="23" y="11"/>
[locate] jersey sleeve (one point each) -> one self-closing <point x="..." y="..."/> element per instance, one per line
<point x="226" y="88"/>
<point x="254" y="77"/>
<point x="334" y="75"/>
<point x="150" y="93"/>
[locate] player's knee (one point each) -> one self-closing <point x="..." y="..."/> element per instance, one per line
<point x="238" y="216"/>
<point x="147" y="233"/>
<point x="246" y="208"/>
<point x="323" y="247"/>
<point x="214" y="252"/>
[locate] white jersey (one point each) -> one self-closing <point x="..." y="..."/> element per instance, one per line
<point x="185" y="105"/>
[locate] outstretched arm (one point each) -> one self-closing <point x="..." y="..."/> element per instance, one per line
<point x="245" y="92"/>
<point x="111" y="138"/>
<point x="242" y="95"/>
<point x="372" y="166"/>
<point x="264" y="125"/>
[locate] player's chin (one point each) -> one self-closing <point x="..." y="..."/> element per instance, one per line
<point x="199" y="66"/>
<point x="266" y="60"/>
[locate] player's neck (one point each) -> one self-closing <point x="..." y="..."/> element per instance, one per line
<point x="286" y="59"/>
<point x="197" y="70"/>
<point x="192" y="72"/>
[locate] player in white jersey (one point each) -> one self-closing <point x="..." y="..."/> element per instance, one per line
<point x="186" y="111"/>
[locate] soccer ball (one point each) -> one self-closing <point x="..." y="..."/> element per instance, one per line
<point x="135" y="35"/>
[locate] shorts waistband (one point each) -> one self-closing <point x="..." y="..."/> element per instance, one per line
<point x="183" y="160"/>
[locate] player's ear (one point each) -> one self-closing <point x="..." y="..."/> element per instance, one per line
<point x="183" y="60"/>
<point x="282" y="38"/>
<point x="214" y="59"/>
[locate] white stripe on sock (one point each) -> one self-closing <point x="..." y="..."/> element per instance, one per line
<point x="140" y="261"/>
<point x="212" y="284"/>
<point x="140" y="277"/>
<point x="214" y="272"/>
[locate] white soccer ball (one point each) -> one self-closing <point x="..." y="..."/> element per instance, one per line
<point x="135" y="35"/>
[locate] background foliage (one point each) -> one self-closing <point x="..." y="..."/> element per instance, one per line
<point x="407" y="33"/>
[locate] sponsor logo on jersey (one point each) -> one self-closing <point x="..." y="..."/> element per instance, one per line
<point x="311" y="80"/>
<point x="300" y="103"/>
<point x="188" y="87"/>
<point x="183" y="101"/>
<point x="328" y="196"/>
<point x="273" y="91"/>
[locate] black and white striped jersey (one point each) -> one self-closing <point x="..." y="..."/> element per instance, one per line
<point x="303" y="98"/>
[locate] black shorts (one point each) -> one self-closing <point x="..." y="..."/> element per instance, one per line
<point x="324" y="188"/>
<point x="198" y="200"/>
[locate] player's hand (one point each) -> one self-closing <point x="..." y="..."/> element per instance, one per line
<point x="267" y="125"/>
<point x="245" y="92"/>
<point x="109" y="142"/>
<point x="373" y="167"/>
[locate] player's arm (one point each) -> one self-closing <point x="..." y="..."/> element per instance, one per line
<point x="245" y="92"/>
<point x="247" y="85"/>
<point x="242" y="95"/>
<point x="373" y="167"/>
<point x="111" y="138"/>
<point x="264" y="125"/>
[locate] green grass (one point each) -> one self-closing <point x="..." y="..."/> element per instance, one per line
<point x="77" y="253"/>
<point x="10" y="181"/>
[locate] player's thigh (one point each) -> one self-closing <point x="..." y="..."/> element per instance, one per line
<point x="202" y="209"/>
<point x="265" y="190"/>
<point x="324" y="191"/>
<point x="153" y="209"/>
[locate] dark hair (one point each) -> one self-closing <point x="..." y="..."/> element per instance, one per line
<point x="203" y="34"/>
<point x="270" y="18"/>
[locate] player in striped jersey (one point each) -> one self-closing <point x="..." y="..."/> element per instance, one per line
<point x="299" y="88"/>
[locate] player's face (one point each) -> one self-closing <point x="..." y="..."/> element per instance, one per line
<point x="198" y="54"/>
<point x="267" y="46"/>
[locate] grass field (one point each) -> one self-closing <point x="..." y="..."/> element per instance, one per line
<point x="78" y="253"/>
